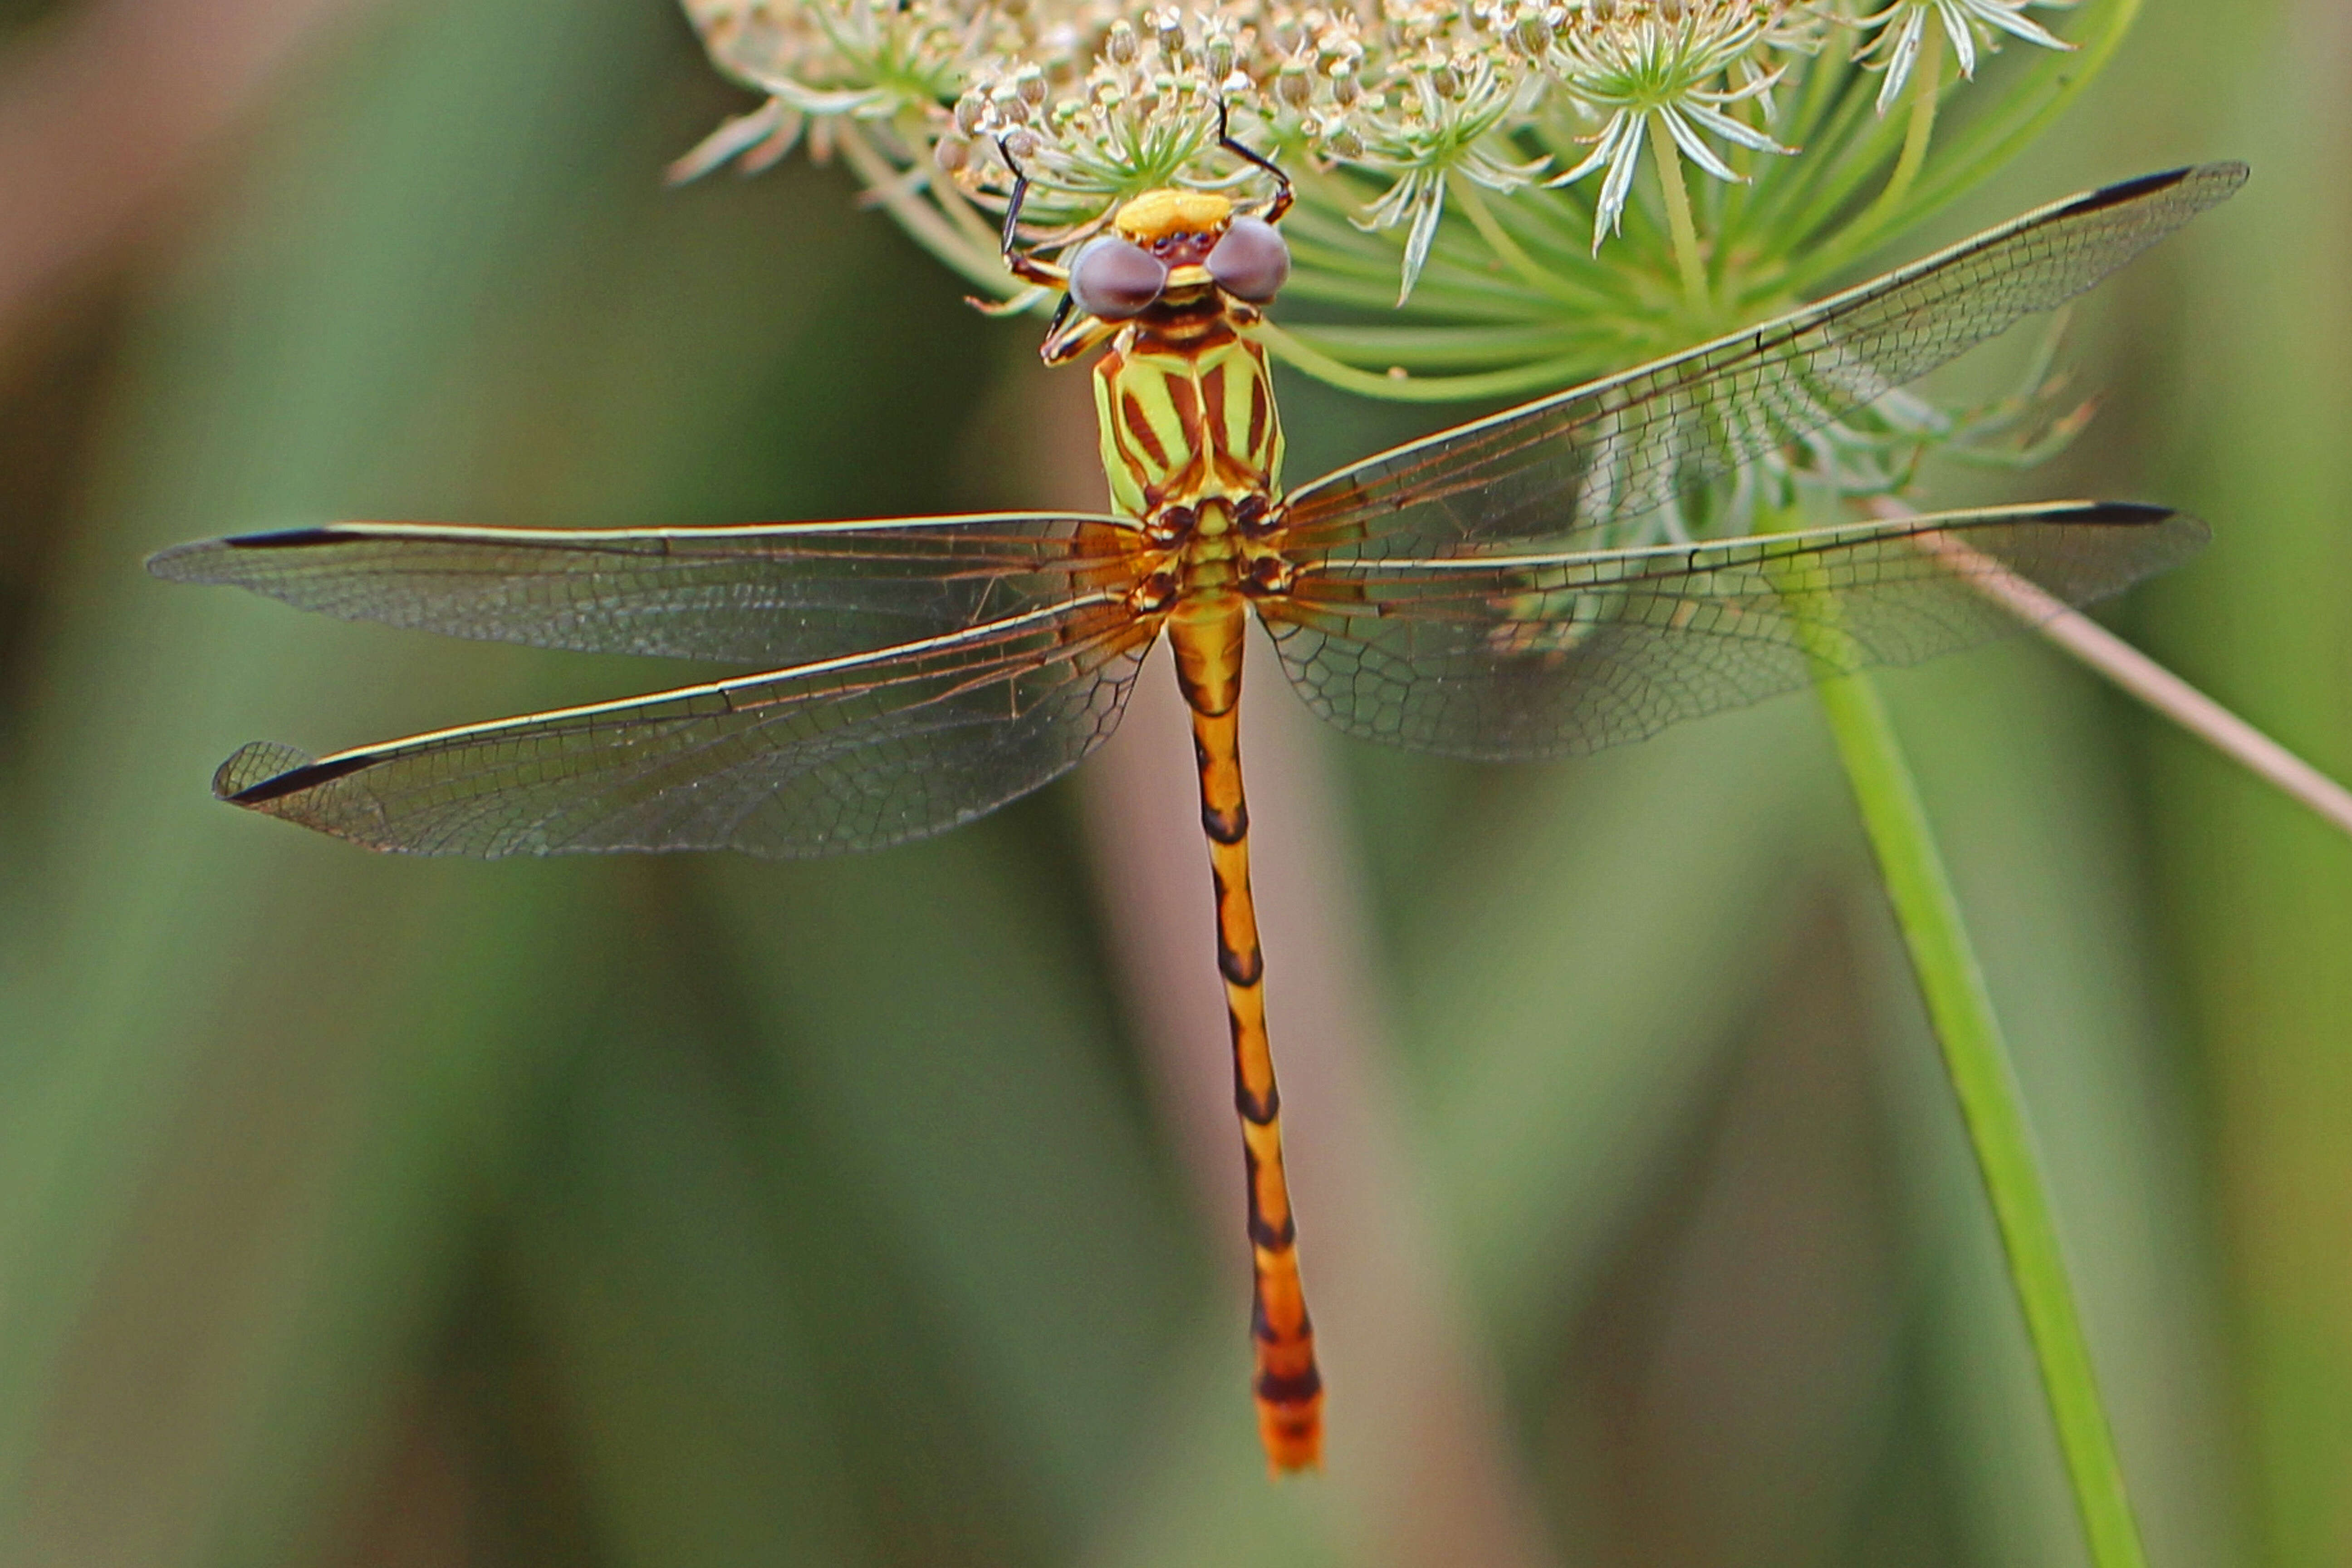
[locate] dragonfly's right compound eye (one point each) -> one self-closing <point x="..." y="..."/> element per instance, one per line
<point x="1113" y="280"/>
<point x="1250" y="262"/>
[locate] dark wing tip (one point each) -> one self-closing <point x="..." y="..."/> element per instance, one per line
<point x="2172" y="536"/>
<point x="188" y="563"/>
<point x="2184" y="529"/>
<point x="286" y="538"/>
<point x="264" y="770"/>
<point x="2134" y="512"/>
<point x="2207" y="184"/>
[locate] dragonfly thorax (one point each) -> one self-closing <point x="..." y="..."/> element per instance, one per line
<point x="1191" y="439"/>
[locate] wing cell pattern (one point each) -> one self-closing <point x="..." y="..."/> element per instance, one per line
<point x="1567" y="468"/>
<point x="853" y="754"/>
<point x="1514" y="657"/>
<point x="766" y="593"/>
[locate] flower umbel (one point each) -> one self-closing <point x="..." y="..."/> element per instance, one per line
<point x="1477" y="163"/>
<point x="1441" y="130"/>
<point x="1655" y="74"/>
<point x="1968" y="24"/>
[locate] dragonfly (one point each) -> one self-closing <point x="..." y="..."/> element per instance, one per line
<point x="1468" y="594"/>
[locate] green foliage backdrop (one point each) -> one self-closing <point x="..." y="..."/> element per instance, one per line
<point x="685" y="1212"/>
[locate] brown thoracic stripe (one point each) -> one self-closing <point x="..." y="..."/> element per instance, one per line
<point x="1210" y="432"/>
<point x="1139" y="424"/>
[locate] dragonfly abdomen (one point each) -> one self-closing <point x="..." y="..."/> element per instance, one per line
<point x="1207" y="633"/>
<point x="1192" y="447"/>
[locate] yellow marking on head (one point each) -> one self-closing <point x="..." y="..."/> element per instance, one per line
<point x="1156" y="215"/>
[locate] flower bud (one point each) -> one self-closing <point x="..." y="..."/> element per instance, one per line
<point x="1531" y="35"/>
<point x="1345" y="87"/>
<point x="971" y="112"/>
<point x="1021" y="143"/>
<point x="1219" y="52"/>
<point x="1291" y="85"/>
<point x="952" y="153"/>
<point x="1030" y="85"/>
<point x="1168" y="32"/>
<point x="1343" y="143"/>
<point x="1120" y="46"/>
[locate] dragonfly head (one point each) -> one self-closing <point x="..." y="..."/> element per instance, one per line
<point x="1177" y="246"/>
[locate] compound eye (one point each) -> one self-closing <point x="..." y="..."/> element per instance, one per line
<point x="1250" y="262"/>
<point x="1113" y="280"/>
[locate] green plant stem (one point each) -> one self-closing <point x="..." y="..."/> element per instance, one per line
<point x="1927" y="91"/>
<point x="1538" y="376"/>
<point x="1960" y="1009"/>
<point x="1679" y="215"/>
<point x="1509" y="251"/>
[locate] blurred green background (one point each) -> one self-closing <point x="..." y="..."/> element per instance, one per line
<point x="361" y="1211"/>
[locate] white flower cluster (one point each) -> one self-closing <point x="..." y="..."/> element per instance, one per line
<point x="1092" y="102"/>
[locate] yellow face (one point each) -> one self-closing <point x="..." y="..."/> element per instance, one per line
<point x="1188" y="251"/>
<point x="1162" y="215"/>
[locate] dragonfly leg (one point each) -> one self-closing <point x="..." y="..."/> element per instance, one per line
<point x="1019" y="262"/>
<point x="1288" y="1386"/>
<point x="1250" y="155"/>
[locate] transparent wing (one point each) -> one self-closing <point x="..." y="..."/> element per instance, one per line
<point x="1565" y="469"/>
<point x="1525" y="656"/>
<point x="766" y="593"/>
<point x="851" y="754"/>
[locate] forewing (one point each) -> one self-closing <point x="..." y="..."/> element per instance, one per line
<point x="765" y="594"/>
<point x="851" y="754"/>
<point x="1546" y="655"/>
<point x="1565" y="469"/>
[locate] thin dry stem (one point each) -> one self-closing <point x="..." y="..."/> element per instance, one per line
<point x="2142" y="676"/>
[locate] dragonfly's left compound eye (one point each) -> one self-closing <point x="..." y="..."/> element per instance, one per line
<point x="1250" y="262"/>
<point x="1113" y="280"/>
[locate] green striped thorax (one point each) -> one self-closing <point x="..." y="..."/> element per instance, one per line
<point x="1192" y="441"/>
